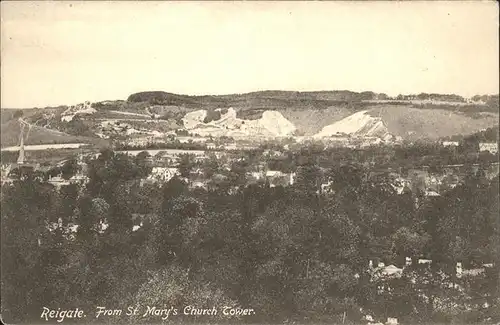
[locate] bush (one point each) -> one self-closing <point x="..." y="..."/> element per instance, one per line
<point x="212" y="115"/>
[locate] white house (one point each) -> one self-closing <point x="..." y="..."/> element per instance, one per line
<point x="277" y="177"/>
<point x="450" y="143"/>
<point x="392" y="270"/>
<point x="79" y="179"/>
<point x="492" y="147"/>
<point x="58" y="181"/>
<point x="163" y="174"/>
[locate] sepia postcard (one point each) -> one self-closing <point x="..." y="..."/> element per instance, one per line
<point x="253" y="162"/>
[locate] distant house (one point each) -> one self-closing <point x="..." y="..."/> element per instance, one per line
<point x="424" y="261"/>
<point x="432" y="182"/>
<point x="162" y="174"/>
<point x="384" y="271"/>
<point x="168" y="160"/>
<point x="492" y="147"/>
<point x="277" y="178"/>
<point x="254" y="177"/>
<point x="200" y="185"/>
<point x="79" y="179"/>
<point x="211" y="145"/>
<point x="392" y="270"/>
<point x="450" y="143"/>
<point x="58" y="181"/>
<point x="272" y="153"/>
<point x="401" y="184"/>
<point x="274" y="173"/>
<point x="431" y="193"/>
<point x="326" y="187"/>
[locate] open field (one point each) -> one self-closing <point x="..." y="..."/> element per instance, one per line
<point x="38" y="135"/>
<point x="414" y="123"/>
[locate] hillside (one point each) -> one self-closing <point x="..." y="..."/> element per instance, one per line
<point x="410" y="116"/>
<point x="39" y="135"/>
<point x="415" y="123"/>
<point x="262" y="113"/>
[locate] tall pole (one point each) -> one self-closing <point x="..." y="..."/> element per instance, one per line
<point x="20" y="159"/>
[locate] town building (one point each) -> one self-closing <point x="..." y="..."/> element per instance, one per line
<point x="491" y="147"/>
<point x="162" y="174"/>
<point x="279" y="178"/>
<point x="450" y="143"/>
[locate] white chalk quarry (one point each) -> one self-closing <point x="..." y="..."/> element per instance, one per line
<point x="360" y="124"/>
<point x="271" y="124"/>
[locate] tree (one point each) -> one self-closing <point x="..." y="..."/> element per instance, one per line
<point x="212" y="115"/>
<point x="69" y="168"/>
<point x="309" y="179"/>
<point x="409" y="244"/>
<point x="77" y="127"/>
<point x="18" y="114"/>
<point x="26" y="207"/>
<point x="186" y="164"/>
<point x="211" y="166"/>
<point x="172" y="287"/>
<point x="382" y="96"/>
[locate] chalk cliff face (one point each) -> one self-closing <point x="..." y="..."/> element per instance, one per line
<point x="271" y="124"/>
<point x="358" y="124"/>
<point x="373" y="122"/>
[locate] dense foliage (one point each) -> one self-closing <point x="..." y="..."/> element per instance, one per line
<point x="487" y="135"/>
<point x="406" y="155"/>
<point x="317" y="99"/>
<point x="298" y="253"/>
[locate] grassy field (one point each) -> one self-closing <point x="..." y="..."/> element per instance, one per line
<point x="38" y="135"/>
<point x="415" y="123"/>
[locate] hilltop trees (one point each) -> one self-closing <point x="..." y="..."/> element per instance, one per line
<point x="18" y="114"/>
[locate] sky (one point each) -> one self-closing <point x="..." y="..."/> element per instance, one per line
<point x="55" y="53"/>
